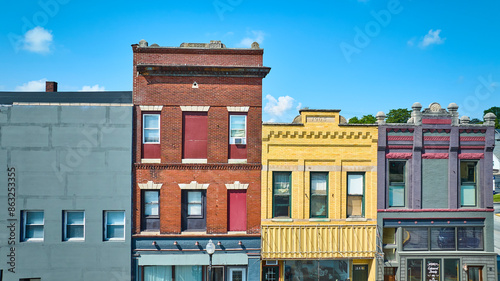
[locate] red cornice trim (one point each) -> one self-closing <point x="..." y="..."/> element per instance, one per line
<point x="436" y="121"/>
<point x="431" y="210"/>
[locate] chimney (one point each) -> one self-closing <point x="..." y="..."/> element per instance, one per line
<point x="50" y="86"/>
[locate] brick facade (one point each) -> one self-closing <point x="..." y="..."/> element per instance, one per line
<point x="224" y="77"/>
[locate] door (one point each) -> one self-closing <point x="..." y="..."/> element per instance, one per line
<point x="475" y="273"/>
<point x="237" y="210"/>
<point x="270" y="273"/>
<point x="390" y="274"/>
<point x="237" y="274"/>
<point x="360" y="272"/>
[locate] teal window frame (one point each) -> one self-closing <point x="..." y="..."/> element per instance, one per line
<point x="315" y="195"/>
<point x="275" y="204"/>
<point x="392" y="185"/>
<point x="466" y="182"/>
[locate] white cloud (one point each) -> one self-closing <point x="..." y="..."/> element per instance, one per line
<point x="38" y="40"/>
<point x="95" y="88"/>
<point x="32" y="86"/>
<point x="255" y="36"/>
<point x="281" y="108"/>
<point x="432" y="38"/>
<point x="411" y="42"/>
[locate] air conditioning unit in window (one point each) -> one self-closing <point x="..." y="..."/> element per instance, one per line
<point x="239" y="140"/>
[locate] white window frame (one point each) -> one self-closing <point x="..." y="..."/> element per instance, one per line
<point x="232" y="269"/>
<point x="144" y="128"/>
<point x="232" y="140"/>
<point x="27" y="239"/>
<point x="106" y="238"/>
<point x="66" y="238"/>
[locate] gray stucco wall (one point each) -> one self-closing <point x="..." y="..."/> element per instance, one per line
<point x="66" y="158"/>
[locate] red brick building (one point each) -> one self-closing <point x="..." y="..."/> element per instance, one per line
<point x="197" y="153"/>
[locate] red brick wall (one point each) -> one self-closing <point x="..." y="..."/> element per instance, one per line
<point x="170" y="197"/>
<point x="218" y="93"/>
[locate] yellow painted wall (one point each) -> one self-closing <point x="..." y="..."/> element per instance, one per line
<point x="319" y="144"/>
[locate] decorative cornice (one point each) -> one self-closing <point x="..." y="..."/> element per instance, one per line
<point x="147" y="166"/>
<point x="151" y="107"/>
<point x="237" y="185"/>
<point x="193" y="185"/>
<point x="194" y="108"/>
<point x="150" y="185"/>
<point x="238" y="108"/>
<point x="320" y="134"/>
<point x="200" y="70"/>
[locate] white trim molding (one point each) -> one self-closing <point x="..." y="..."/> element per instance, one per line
<point x="150" y="185"/>
<point x="236" y="161"/>
<point x="194" y="108"/>
<point x="151" y="107"/>
<point x="237" y="185"/>
<point x="193" y="185"/>
<point x="150" y="160"/>
<point x="194" y="161"/>
<point x="238" y="108"/>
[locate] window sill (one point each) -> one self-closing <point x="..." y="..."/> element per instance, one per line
<point x="237" y="161"/>
<point x="151" y="160"/>
<point x="319" y="219"/>
<point x="282" y="220"/>
<point x="356" y="219"/>
<point x="194" y="161"/>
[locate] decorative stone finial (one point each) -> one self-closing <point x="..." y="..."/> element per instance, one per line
<point x="255" y="45"/>
<point x="380" y="117"/>
<point x="452" y="107"/>
<point x="416" y="106"/>
<point x="435" y="107"/>
<point x="143" y="43"/>
<point x="489" y="118"/>
<point x="155" y="45"/>
<point x="464" y="120"/>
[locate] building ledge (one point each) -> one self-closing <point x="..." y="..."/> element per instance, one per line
<point x="200" y="166"/>
<point x="432" y="210"/>
<point x="202" y="70"/>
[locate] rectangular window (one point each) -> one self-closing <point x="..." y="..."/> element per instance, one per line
<point x="237" y="129"/>
<point x="355" y="194"/>
<point x="442" y="238"/>
<point x="468" y="183"/>
<point x="193" y="213"/>
<point x="151" y="128"/>
<point x="74" y="225"/>
<point x="451" y="269"/>
<point x="470" y="238"/>
<point x="281" y="194"/>
<point x="414" y="270"/>
<point x="114" y="225"/>
<point x="33" y="223"/>
<point x="195" y="204"/>
<point x="397" y="183"/>
<point x="433" y="269"/>
<point x="415" y="239"/>
<point x="151" y="215"/>
<point x="319" y="195"/>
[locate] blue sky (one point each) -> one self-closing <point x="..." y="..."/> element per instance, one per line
<point x="358" y="56"/>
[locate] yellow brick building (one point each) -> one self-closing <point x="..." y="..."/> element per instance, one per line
<point x="319" y="211"/>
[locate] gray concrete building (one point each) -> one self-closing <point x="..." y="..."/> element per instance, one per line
<point x="65" y="202"/>
<point x="435" y="199"/>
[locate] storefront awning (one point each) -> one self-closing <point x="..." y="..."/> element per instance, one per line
<point x="192" y="259"/>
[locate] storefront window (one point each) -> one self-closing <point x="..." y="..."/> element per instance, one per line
<point x="443" y="238"/>
<point x="433" y="269"/>
<point x="414" y="270"/>
<point x="451" y="269"/>
<point x="316" y="270"/>
<point x="470" y="238"/>
<point x="415" y="239"/>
